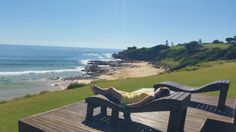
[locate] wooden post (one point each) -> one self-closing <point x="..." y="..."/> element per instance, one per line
<point x="174" y="120"/>
<point x="114" y="116"/>
<point x="127" y="116"/>
<point x="89" y="114"/>
<point x="182" y="120"/>
<point x="222" y="97"/>
<point x="103" y="110"/>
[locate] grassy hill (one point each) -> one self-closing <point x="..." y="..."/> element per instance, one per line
<point x="11" y="112"/>
<point x="180" y="56"/>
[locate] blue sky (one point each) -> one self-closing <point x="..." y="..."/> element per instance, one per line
<point x="114" y="23"/>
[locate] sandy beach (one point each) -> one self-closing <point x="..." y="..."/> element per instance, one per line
<point x="134" y="69"/>
<point x="127" y="70"/>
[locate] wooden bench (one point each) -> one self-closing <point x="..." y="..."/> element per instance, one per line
<point x="176" y="103"/>
<point x="219" y="85"/>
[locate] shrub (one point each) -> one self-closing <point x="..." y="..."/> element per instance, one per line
<point x="75" y="85"/>
<point x="28" y="95"/>
<point x="43" y="92"/>
<point x="3" y="101"/>
<point x="192" y="46"/>
<point x="229" y="40"/>
<point x="217" y="42"/>
<point x="188" y="62"/>
<point x="231" y="54"/>
<point x="191" y="68"/>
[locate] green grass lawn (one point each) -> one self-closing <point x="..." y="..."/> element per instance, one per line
<point x="12" y="111"/>
<point x="208" y="45"/>
<point x="221" y="46"/>
<point x="177" y="47"/>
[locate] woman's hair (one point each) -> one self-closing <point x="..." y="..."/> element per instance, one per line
<point x="161" y="92"/>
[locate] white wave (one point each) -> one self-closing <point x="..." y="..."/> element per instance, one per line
<point x="91" y="54"/>
<point x="40" y="72"/>
<point x="100" y="56"/>
<point x="108" y="55"/>
<point x="84" y="62"/>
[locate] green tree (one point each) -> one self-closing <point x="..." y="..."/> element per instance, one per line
<point x="192" y="47"/>
<point x="229" y="39"/>
<point x="216" y="41"/>
<point x="167" y="43"/>
<point x="132" y="48"/>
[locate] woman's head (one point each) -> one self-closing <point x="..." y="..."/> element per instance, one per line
<point x="161" y="92"/>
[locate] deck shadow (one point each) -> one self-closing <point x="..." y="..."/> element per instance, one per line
<point x="227" y="111"/>
<point x="218" y="126"/>
<point x="103" y="123"/>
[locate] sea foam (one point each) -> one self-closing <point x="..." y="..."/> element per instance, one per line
<point x="77" y="69"/>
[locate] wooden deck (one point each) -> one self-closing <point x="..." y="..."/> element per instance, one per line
<point x="202" y="115"/>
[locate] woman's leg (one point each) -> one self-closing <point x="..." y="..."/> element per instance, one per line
<point x="106" y="91"/>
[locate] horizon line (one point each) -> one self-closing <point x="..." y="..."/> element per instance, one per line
<point x="33" y="45"/>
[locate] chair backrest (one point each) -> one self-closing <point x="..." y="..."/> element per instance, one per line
<point x="213" y="86"/>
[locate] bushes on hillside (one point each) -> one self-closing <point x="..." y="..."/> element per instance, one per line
<point x="217" y="42"/>
<point x="231" y="54"/>
<point x="187" y="62"/>
<point x="192" y="47"/>
<point x="145" y="54"/>
<point x="75" y="85"/>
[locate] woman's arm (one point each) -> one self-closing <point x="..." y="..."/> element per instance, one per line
<point x="141" y="102"/>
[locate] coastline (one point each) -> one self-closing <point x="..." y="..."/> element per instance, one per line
<point x="95" y="70"/>
<point x="112" y="71"/>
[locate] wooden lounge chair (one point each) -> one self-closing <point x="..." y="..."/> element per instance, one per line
<point x="219" y="85"/>
<point x="176" y="103"/>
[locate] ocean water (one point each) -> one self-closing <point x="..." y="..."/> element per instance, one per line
<point x="24" y="68"/>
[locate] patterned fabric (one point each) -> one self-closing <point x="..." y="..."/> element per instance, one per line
<point x="132" y="97"/>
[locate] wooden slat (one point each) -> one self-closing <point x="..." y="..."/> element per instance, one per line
<point x="170" y="96"/>
<point x="179" y="94"/>
<point x="183" y="96"/>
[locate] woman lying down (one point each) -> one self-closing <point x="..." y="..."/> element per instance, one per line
<point x="132" y="99"/>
